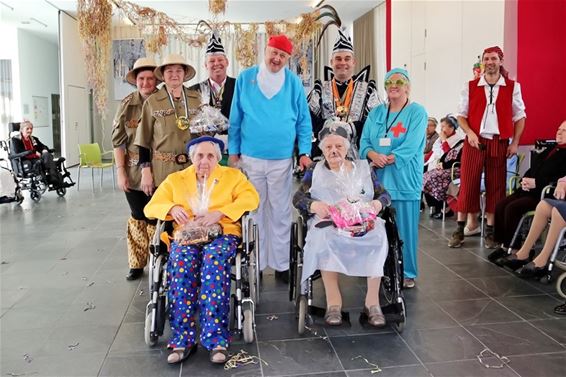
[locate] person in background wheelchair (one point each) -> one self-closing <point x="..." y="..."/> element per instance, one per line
<point x="199" y="273"/>
<point x="548" y="209"/>
<point x="40" y="159"/>
<point x="329" y="249"/>
<point x="547" y="169"/>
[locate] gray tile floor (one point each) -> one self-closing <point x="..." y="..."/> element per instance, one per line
<point x="62" y="256"/>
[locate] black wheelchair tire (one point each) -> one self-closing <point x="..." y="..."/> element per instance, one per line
<point x="561" y="285"/>
<point x="61" y="191"/>
<point x="35" y="196"/>
<point x="160" y="315"/>
<point x="400" y="325"/>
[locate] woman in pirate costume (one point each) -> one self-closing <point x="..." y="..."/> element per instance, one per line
<point x="343" y="95"/>
<point x="126" y="154"/>
<point x="164" y="127"/>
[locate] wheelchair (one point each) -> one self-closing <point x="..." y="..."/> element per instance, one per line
<point x="521" y="233"/>
<point x="391" y="286"/>
<point x="30" y="174"/>
<point x="244" y="291"/>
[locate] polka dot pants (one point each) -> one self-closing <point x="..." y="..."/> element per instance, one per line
<point x="199" y="278"/>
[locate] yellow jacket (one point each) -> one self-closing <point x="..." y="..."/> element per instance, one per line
<point x="232" y="195"/>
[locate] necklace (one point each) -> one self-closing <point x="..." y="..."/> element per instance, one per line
<point x="183" y="120"/>
<point x="342" y="102"/>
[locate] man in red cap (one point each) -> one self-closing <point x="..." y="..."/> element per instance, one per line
<point x="492" y="114"/>
<point x="269" y="114"/>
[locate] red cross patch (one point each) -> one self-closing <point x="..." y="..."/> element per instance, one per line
<point x="398" y="129"/>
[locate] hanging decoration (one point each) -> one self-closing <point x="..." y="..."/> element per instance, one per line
<point x="217" y="6"/>
<point x="246" y="51"/>
<point x="95" y="21"/>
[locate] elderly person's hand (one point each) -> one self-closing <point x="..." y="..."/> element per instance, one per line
<point x="321" y="209"/>
<point x="179" y="214"/>
<point x="560" y="190"/>
<point x="377" y="205"/>
<point x="528" y="184"/>
<point x="210" y="218"/>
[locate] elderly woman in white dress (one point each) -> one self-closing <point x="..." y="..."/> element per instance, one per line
<point x="327" y="184"/>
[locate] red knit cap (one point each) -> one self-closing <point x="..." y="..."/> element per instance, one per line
<point x="281" y="42"/>
<point x="495" y="49"/>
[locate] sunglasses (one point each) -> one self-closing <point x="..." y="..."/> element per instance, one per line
<point x="398" y="82"/>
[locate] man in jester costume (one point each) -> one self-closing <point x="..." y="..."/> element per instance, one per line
<point x="342" y="94"/>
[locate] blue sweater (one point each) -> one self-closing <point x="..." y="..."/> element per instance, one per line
<point x="403" y="179"/>
<point x="267" y="128"/>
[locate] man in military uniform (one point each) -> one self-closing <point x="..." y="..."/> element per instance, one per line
<point x="218" y="88"/>
<point x="139" y="230"/>
<point x="343" y="95"/>
<point x="164" y="126"/>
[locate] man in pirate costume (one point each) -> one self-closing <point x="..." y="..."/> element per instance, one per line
<point x="140" y="229"/>
<point x="218" y="85"/>
<point x="344" y="95"/>
<point x="164" y="131"/>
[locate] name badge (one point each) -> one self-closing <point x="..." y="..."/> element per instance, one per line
<point x="384" y="142"/>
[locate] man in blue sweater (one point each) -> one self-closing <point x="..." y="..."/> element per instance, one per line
<point x="269" y="113"/>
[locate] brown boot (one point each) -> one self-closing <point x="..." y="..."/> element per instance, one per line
<point x="457" y="239"/>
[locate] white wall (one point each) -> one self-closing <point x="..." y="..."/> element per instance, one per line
<point x="439" y="41"/>
<point x="39" y="77"/>
<point x="9" y="51"/>
<point x="75" y="116"/>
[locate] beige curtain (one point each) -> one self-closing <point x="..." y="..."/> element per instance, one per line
<point x="364" y="42"/>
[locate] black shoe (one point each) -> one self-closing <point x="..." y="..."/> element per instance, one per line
<point x="513" y="263"/>
<point x="283" y="276"/>
<point x="134" y="274"/>
<point x="529" y="271"/>
<point x="497" y="255"/>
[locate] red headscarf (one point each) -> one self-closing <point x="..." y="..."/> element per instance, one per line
<point x="499" y="52"/>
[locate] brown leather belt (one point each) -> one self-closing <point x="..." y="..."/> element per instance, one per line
<point x="180" y="158"/>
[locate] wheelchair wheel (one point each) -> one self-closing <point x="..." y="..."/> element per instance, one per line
<point x="561" y="285"/>
<point x="400" y="325"/>
<point x="302" y="309"/>
<point x="35" y="196"/>
<point x="150" y="340"/>
<point x="248" y="325"/>
<point x="546" y="279"/>
<point x="61" y="191"/>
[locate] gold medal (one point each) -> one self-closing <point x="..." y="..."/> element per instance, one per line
<point x="341" y="111"/>
<point x="182" y="123"/>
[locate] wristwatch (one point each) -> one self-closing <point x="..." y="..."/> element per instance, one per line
<point x="304" y="154"/>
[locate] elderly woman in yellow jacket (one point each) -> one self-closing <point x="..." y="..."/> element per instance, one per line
<point x="199" y="274"/>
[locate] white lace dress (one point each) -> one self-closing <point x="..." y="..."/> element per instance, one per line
<point x="327" y="249"/>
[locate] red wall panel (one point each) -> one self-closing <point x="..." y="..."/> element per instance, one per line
<point x="541" y="65"/>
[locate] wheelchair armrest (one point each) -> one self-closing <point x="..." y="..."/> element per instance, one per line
<point x="453" y="170"/>
<point x="513" y="184"/>
<point x="546" y="191"/>
<point x="20" y="155"/>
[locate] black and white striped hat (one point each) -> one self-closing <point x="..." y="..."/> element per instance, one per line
<point x="344" y="43"/>
<point x="214" y="46"/>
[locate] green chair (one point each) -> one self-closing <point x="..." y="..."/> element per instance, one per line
<point x="91" y="157"/>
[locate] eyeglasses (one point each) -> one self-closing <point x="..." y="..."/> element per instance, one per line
<point x="398" y="82"/>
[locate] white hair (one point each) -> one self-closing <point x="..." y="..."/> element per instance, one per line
<point x="346" y="142"/>
<point x="193" y="148"/>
